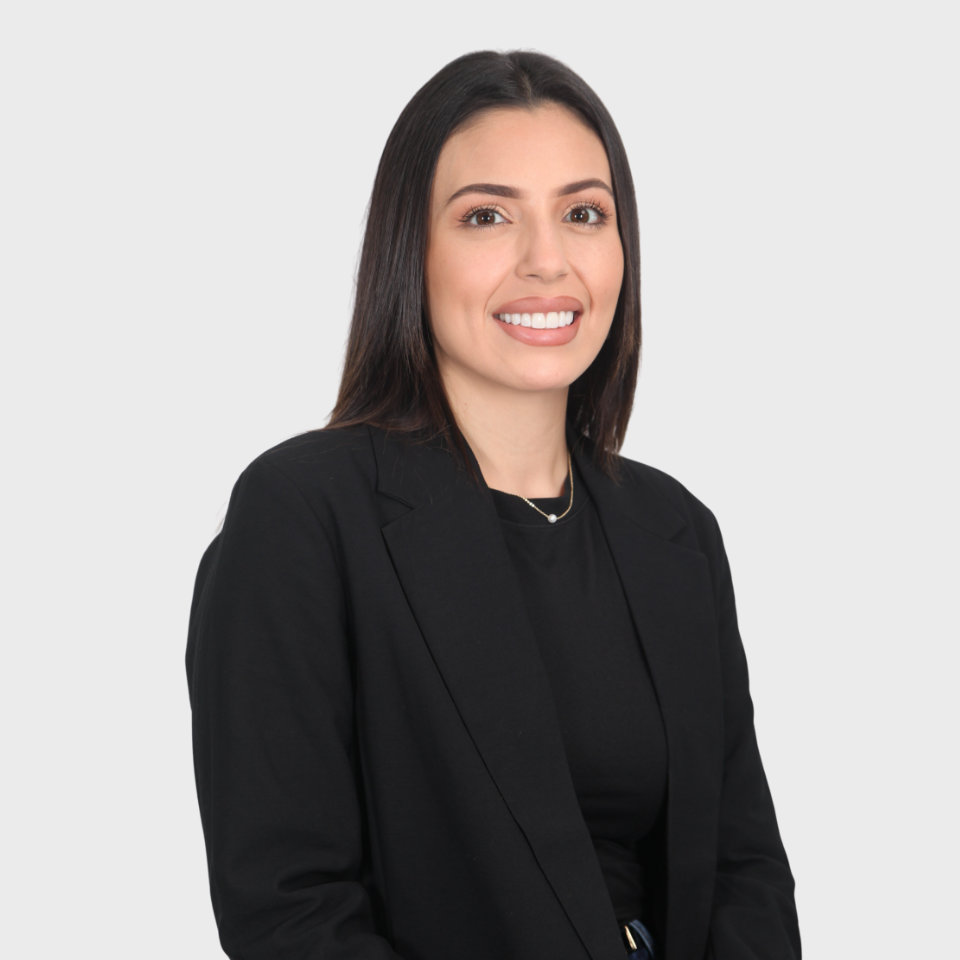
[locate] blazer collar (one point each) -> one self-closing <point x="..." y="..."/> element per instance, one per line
<point x="419" y="472"/>
<point x="446" y="543"/>
<point x="629" y="497"/>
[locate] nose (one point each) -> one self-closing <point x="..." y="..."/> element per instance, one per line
<point x="542" y="254"/>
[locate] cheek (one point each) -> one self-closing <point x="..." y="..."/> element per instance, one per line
<point x="607" y="276"/>
<point x="461" y="280"/>
<point x="450" y="300"/>
<point x="441" y="284"/>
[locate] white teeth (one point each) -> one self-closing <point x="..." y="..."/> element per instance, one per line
<point x="539" y="321"/>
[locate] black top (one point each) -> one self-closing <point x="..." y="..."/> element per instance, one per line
<point x="608" y="712"/>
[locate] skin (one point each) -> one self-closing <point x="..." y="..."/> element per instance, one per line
<point x="486" y="250"/>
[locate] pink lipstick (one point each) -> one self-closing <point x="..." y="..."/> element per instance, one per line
<point x="540" y="321"/>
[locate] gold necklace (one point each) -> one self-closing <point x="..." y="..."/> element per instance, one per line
<point x="553" y="517"/>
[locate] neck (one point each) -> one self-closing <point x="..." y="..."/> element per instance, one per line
<point x="518" y="438"/>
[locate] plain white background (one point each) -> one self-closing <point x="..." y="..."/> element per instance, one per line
<point x="183" y="193"/>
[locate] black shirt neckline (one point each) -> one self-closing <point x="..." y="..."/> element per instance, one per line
<point x="512" y="509"/>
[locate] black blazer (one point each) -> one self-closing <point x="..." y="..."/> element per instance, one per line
<point x="378" y="758"/>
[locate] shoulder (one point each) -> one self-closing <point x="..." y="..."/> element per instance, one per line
<point x="320" y="473"/>
<point x="330" y="449"/>
<point x="328" y="459"/>
<point x="660" y="483"/>
<point x="671" y="495"/>
<point x="691" y="524"/>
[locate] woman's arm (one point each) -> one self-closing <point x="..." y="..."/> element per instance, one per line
<point x="268" y="668"/>
<point x="754" y="916"/>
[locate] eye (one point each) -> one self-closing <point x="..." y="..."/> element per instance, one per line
<point x="483" y="217"/>
<point x="587" y="215"/>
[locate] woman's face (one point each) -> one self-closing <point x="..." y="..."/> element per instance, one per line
<point x="524" y="261"/>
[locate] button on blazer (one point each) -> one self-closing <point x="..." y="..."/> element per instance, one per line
<point x="378" y="759"/>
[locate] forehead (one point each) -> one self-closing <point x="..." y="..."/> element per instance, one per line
<point x="538" y="148"/>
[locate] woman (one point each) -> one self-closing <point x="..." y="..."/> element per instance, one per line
<point x="464" y="682"/>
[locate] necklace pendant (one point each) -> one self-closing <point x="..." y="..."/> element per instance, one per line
<point x="552" y="517"/>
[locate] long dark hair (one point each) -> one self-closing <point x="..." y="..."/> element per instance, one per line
<point x="390" y="376"/>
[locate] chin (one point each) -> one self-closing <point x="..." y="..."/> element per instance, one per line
<point x="548" y="378"/>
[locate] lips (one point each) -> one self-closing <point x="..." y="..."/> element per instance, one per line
<point x="540" y="321"/>
<point x="540" y="313"/>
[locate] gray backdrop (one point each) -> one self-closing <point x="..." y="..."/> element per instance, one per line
<point x="183" y="192"/>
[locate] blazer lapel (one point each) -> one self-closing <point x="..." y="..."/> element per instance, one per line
<point x="669" y="592"/>
<point x="447" y="547"/>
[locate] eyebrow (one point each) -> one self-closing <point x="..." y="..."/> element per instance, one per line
<point x="512" y="193"/>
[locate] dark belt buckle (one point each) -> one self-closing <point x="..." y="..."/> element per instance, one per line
<point x="639" y="941"/>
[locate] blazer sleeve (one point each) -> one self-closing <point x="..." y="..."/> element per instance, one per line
<point x="754" y="915"/>
<point x="269" y="676"/>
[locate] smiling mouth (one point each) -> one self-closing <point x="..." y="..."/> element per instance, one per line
<point x="539" y="321"/>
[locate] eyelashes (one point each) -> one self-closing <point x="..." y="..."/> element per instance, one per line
<point x="596" y="215"/>
<point x="492" y="217"/>
<point x="584" y="213"/>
